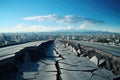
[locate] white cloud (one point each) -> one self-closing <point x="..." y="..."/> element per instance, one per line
<point x="69" y="27"/>
<point x="85" y="25"/>
<point x="36" y="28"/>
<point x="41" y="18"/>
<point x="68" y="19"/>
<point x="20" y="26"/>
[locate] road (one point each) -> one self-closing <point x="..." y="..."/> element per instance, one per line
<point x="7" y="52"/>
<point x="68" y="66"/>
<point x="42" y="69"/>
<point x="79" y="68"/>
<point x="115" y="50"/>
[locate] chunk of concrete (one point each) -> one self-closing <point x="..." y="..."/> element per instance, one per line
<point x="104" y="74"/>
<point x="70" y="47"/>
<point x="75" y="75"/>
<point x="96" y="77"/>
<point x="45" y="76"/>
<point x="101" y="61"/>
<point x="79" y="51"/>
<point x="48" y="68"/>
<point x="94" y="59"/>
<point x="73" y="49"/>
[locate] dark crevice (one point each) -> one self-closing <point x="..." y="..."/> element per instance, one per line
<point x="117" y="77"/>
<point x="50" y="71"/>
<point x="61" y="56"/>
<point x="58" y="75"/>
<point x="46" y="63"/>
<point x="80" y="70"/>
<point x="99" y="75"/>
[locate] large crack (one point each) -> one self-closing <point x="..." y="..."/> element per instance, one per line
<point x="91" y="71"/>
<point x="79" y="70"/>
<point x="58" y="75"/>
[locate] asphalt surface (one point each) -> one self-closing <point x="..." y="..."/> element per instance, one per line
<point x="7" y="52"/>
<point x="73" y="67"/>
<point x="115" y="50"/>
<point x="70" y="67"/>
<point x="43" y="69"/>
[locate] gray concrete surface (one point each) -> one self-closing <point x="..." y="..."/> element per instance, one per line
<point x="60" y="63"/>
<point x="10" y="51"/>
<point x="80" y="68"/>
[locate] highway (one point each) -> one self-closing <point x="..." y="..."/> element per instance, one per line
<point x="115" y="50"/>
<point x="7" y="52"/>
<point x="79" y="68"/>
<point x="67" y="67"/>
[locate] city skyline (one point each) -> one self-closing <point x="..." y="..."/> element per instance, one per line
<point x="55" y="15"/>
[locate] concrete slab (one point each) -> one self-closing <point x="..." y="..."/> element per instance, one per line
<point x="94" y="60"/>
<point x="101" y="61"/>
<point x="46" y="76"/>
<point x="104" y="73"/>
<point x="75" y="75"/>
<point x="95" y="77"/>
<point x="48" y="68"/>
<point x="29" y="75"/>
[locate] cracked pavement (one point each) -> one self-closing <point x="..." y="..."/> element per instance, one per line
<point x="73" y="67"/>
<point x="65" y="65"/>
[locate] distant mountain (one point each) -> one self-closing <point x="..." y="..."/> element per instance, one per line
<point x="64" y="31"/>
<point x="71" y="30"/>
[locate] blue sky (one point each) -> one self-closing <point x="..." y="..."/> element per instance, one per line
<point x="52" y="15"/>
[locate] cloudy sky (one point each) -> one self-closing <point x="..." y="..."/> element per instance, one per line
<point x="54" y="15"/>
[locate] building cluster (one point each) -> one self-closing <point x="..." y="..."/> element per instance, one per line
<point x="97" y="37"/>
<point x="108" y="38"/>
<point x="17" y="38"/>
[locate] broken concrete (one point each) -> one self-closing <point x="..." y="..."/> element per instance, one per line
<point x="62" y="61"/>
<point x="94" y="60"/>
<point x="105" y="64"/>
<point x="26" y="63"/>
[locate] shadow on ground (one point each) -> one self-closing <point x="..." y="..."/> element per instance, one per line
<point x="25" y="61"/>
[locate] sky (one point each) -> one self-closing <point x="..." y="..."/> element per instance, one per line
<point x="56" y="15"/>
